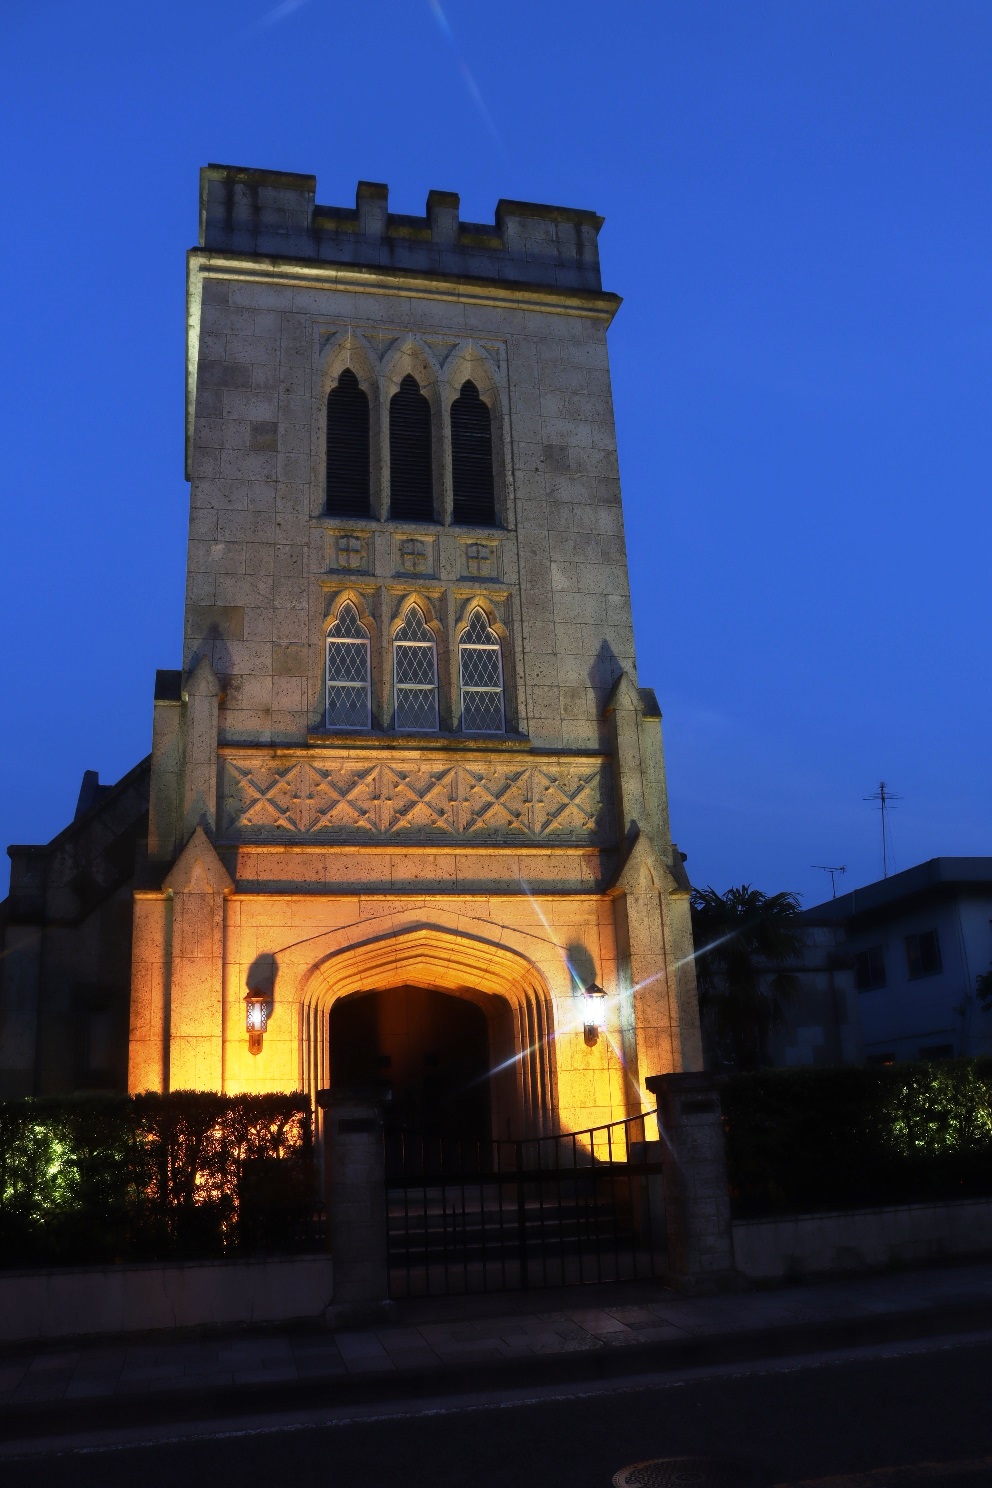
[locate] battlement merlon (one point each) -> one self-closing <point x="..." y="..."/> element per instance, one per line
<point x="275" y="214"/>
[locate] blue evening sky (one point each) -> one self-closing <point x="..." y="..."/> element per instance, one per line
<point x="797" y="209"/>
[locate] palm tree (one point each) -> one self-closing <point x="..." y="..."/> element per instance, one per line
<point x="744" y="940"/>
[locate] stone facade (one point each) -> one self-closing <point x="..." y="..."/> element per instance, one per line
<point x="514" y="870"/>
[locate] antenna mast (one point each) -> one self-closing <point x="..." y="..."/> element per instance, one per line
<point x="825" y="868"/>
<point x="884" y="796"/>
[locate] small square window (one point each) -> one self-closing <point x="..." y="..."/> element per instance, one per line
<point x="923" y="955"/>
<point x="869" y="969"/>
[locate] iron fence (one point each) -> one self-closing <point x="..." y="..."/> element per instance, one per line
<point x="482" y="1216"/>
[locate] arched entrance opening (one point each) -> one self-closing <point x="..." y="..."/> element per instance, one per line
<point x="431" y="967"/>
<point x="426" y="1051"/>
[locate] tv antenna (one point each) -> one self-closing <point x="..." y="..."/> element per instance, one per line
<point x="826" y="868"/>
<point x="884" y="797"/>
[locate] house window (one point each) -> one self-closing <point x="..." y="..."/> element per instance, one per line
<point x="937" y="1052"/>
<point x="480" y="673"/>
<point x="349" y="691"/>
<point x="923" y="955"/>
<point x="869" y="969"/>
<point x="411" y="479"/>
<point x="415" y="674"/>
<point x="348" y="448"/>
<point x="472" y="459"/>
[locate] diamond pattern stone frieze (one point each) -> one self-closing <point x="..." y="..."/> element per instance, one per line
<point x="264" y="799"/>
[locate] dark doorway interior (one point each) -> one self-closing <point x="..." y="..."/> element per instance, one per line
<point x="427" y="1051"/>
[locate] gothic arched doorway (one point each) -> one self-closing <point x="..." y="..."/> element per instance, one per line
<point x="426" y="1051"/>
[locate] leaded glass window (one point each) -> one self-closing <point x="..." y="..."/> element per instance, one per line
<point x="349" y="693"/>
<point x="480" y="669"/>
<point x="415" y="674"/>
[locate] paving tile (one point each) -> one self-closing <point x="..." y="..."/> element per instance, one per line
<point x="41" y="1363"/>
<point x="264" y="1376"/>
<point x="40" y="1387"/>
<point x="586" y="1344"/>
<point x="91" y="1386"/>
<point x="631" y="1317"/>
<point x="595" y="1320"/>
<point x="362" y="1352"/>
<point x="306" y="1369"/>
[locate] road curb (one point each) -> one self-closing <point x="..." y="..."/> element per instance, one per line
<point x="51" y="1418"/>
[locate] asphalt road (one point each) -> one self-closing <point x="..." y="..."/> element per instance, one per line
<point x="797" y="1421"/>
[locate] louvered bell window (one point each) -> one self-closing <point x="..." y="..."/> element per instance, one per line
<point x="411" y="479"/>
<point x="348" y="448"/>
<point x="472" y="459"/>
<point x="480" y="669"/>
<point x="415" y="674"/>
<point x="349" y="693"/>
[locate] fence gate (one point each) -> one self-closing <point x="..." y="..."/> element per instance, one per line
<point x="470" y="1216"/>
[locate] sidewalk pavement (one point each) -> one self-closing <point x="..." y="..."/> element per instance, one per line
<point x="453" y="1344"/>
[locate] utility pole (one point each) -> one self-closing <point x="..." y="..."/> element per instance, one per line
<point x="884" y="797"/>
<point x="824" y="868"/>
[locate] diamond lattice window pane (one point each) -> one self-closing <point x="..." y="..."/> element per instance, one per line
<point x="416" y="708"/>
<point x="415" y="664"/>
<point x="482" y="712"/>
<point x="415" y="673"/>
<point x="347" y="707"/>
<point x="348" y="661"/>
<point x="478" y="632"/>
<point x="480" y="666"/>
<point x="414" y="628"/>
<point x="348" y="691"/>
<point x="481" y="676"/>
<point x="348" y="624"/>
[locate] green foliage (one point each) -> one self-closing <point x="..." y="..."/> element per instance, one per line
<point x="814" y="1139"/>
<point x="744" y="939"/>
<point x="93" y="1179"/>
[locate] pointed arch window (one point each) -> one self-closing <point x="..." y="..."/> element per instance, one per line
<point x="348" y="448"/>
<point x="415" y="674"/>
<point x="480" y="673"/>
<point x="473" y="489"/>
<point x="349" y="690"/>
<point x="411" y="476"/>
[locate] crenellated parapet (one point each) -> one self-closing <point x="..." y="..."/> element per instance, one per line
<point x="276" y="213"/>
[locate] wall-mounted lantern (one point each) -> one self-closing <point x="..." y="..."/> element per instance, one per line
<point x="256" y="1018"/>
<point x="594" y="1000"/>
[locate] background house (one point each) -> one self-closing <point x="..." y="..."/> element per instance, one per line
<point x="916" y="943"/>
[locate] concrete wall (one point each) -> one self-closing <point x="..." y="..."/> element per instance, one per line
<point x="861" y="1240"/>
<point x="110" y="1300"/>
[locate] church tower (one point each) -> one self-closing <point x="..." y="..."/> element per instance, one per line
<point x="408" y="820"/>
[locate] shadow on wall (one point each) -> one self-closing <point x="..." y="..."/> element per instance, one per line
<point x="261" y="979"/>
<point x="581" y="965"/>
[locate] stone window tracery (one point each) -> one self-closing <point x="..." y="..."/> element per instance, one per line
<point x="415" y="675"/>
<point x="480" y="672"/>
<point x="349" y="689"/>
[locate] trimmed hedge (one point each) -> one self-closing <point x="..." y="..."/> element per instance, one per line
<point x="804" y="1140"/>
<point x="89" y="1180"/>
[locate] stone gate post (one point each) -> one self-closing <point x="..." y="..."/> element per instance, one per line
<point x="355" y="1184"/>
<point x="697" y="1202"/>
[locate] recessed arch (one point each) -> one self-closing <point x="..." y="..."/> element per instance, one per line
<point x="348" y="425"/>
<point x="509" y="988"/>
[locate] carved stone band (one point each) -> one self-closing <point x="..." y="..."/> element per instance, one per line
<point x="267" y="798"/>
